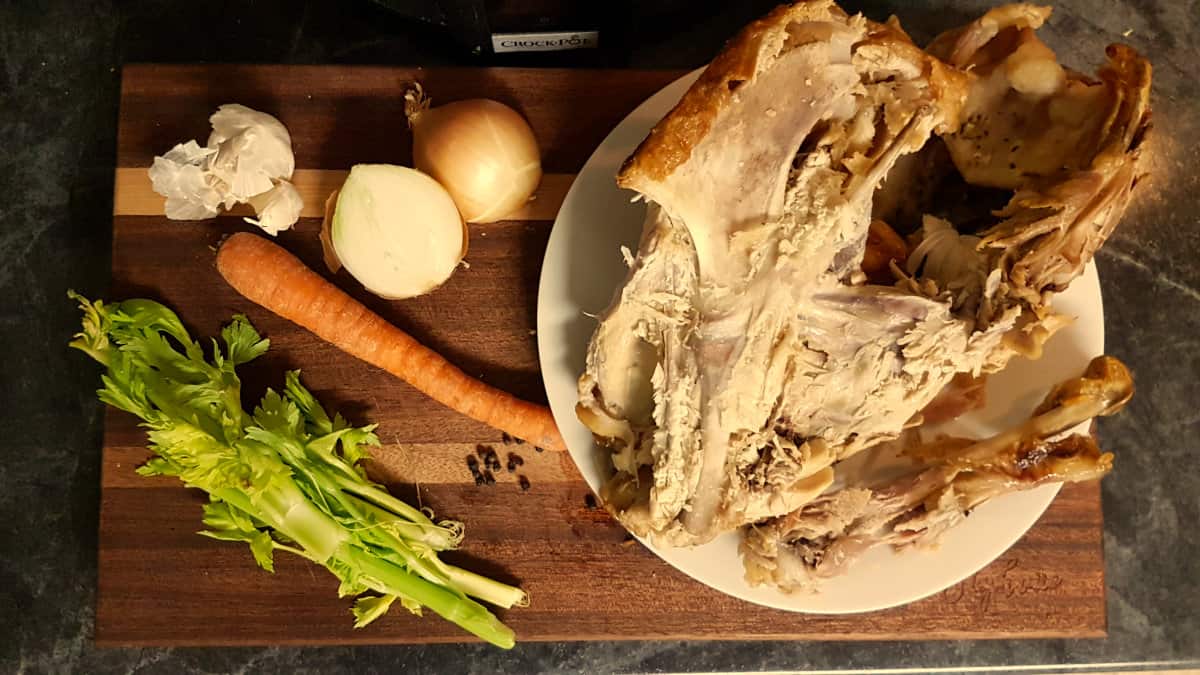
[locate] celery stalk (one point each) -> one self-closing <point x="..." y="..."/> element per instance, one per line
<point x="285" y="476"/>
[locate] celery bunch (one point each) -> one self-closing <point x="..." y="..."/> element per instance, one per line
<point x="285" y="477"/>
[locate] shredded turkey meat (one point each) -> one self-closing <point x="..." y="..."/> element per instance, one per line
<point x="822" y="539"/>
<point x="747" y="353"/>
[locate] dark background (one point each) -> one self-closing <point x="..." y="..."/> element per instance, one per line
<point x="59" y="79"/>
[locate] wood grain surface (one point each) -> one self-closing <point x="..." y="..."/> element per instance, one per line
<point x="161" y="584"/>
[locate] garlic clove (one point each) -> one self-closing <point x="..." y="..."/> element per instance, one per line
<point x="273" y="143"/>
<point x="277" y="209"/>
<point x="253" y="150"/>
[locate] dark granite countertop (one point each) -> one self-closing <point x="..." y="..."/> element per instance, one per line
<point x="59" y="76"/>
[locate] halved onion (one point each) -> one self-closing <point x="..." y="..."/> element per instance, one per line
<point x="396" y="230"/>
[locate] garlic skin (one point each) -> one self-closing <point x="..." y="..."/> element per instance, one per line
<point x="180" y="176"/>
<point x="248" y="159"/>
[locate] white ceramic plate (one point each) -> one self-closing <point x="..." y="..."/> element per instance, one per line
<point x="582" y="271"/>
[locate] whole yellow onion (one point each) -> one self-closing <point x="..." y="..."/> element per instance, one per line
<point x="482" y="151"/>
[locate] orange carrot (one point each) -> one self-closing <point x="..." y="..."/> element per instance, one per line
<point x="275" y="279"/>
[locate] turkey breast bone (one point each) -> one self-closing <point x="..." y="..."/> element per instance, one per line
<point x="744" y="309"/>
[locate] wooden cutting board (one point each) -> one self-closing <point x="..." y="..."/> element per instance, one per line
<point x="161" y="584"/>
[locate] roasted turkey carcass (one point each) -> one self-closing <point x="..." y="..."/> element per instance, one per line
<point x="745" y="353"/>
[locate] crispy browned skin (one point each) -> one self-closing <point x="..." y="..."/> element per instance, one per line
<point x="671" y="141"/>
